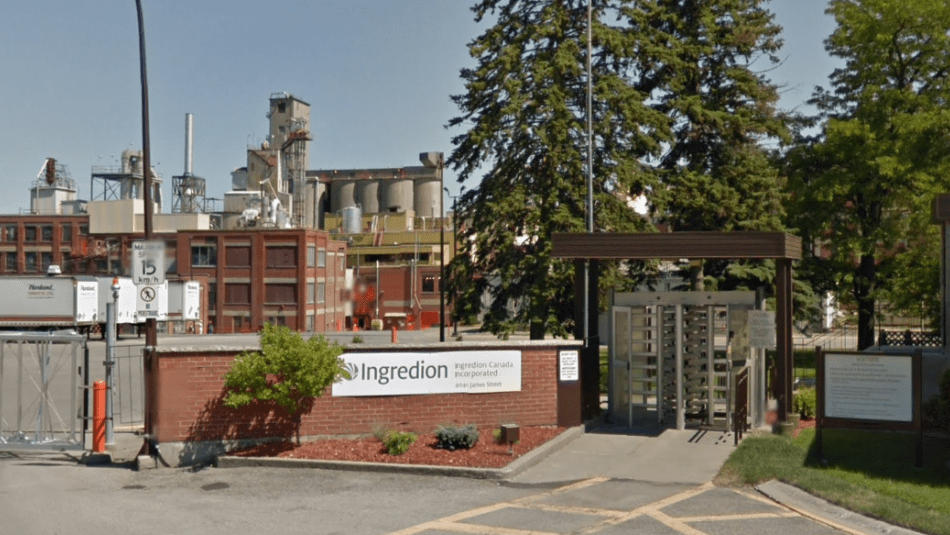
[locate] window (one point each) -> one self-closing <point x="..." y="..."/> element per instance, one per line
<point x="280" y="294"/>
<point x="321" y="258"/>
<point x="311" y="324"/>
<point x="430" y="284"/>
<point x="11" y="232"/>
<point x="237" y="293"/>
<point x="282" y="257"/>
<point x="67" y="235"/>
<point x="237" y="256"/>
<point x="46" y="260"/>
<point x="321" y="292"/>
<point x="29" y="233"/>
<point x="311" y="255"/>
<point x="29" y="264"/>
<point x="46" y="233"/>
<point x="212" y="296"/>
<point x="311" y="293"/>
<point x="204" y="255"/>
<point x="10" y="265"/>
<point x="84" y="230"/>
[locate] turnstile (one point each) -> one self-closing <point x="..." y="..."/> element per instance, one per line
<point x="670" y="358"/>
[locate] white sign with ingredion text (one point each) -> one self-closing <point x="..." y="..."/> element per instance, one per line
<point x="869" y="387"/>
<point x="444" y="372"/>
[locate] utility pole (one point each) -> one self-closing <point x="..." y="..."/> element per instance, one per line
<point x="151" y="327"/>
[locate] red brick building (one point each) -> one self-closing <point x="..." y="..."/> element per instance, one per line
<point x="293" y="277"/>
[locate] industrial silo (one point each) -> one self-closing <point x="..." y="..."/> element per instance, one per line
<point x="342" y="194"/>
<point x="396" y="195"/>
<point x="352" y="220"/>
<point x="367" y="193"/>
<point x="427" y="196"/>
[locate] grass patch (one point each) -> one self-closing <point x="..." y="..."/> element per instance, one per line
<point x="868" y="472"/>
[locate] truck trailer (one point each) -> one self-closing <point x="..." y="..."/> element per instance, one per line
<point x="49" y="303"/>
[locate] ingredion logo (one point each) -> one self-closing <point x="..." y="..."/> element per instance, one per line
<point x="383" y="374"/>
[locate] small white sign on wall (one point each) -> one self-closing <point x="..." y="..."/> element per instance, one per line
<point x="569" y="365"/>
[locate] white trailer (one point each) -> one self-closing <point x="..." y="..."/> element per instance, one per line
<point x="184" y="304"/>
<point x="125" y="303"/>
<point x="49" y="302"/>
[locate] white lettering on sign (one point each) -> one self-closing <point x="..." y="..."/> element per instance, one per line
<point x="444" y="372"/>
<point x="869" y="387"/>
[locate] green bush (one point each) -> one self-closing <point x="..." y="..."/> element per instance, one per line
<point x="805" y="402"/>
<point x="287" y="370"/>
<point x="398" y="443"/>
<point x="357" y="339"/>
<point x="456" y="437"/>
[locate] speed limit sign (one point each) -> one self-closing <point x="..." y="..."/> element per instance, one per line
<point x="148" y="262"/>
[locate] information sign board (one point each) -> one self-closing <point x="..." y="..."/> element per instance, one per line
<point x="762" y="329"/>
<point x="569" y="365"/>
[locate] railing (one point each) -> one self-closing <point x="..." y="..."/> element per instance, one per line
<point x="909" y="338"/>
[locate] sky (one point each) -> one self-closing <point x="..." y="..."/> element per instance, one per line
<point x="378" y="75"/>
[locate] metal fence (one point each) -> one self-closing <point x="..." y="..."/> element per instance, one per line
<point x="129" y="392"/>
<point x="42" y="390"/>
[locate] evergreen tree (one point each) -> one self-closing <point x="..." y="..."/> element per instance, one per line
<point x="715" y="173"/>
<point x="525" y="113"/>
<point x="881" y="153"/>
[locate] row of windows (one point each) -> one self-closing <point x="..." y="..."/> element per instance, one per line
<point x="240" y="256"/>
<point x="33" y="262"/>
<point x="40" y="233"/>
<point x="239" y="293"/>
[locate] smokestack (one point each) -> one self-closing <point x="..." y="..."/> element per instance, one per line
<point x="189" y="143"/>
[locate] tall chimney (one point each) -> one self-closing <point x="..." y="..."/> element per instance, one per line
<point x="189" y="143"/>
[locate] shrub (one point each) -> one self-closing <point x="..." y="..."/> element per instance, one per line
<point x="453" y="438"/>
<point x="381" y="431"/>
<point x="805" y="402"/>
<point x="398" y="443"/>
<point x="357" y="339"/>
<point x="287" y="371"/>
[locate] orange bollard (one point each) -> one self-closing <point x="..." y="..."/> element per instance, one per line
<point x="99" y="417"/>
<point x="339" y="325"/>
<point x="395" y="335"/>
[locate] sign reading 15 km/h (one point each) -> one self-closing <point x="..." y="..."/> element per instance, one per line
<point x="148" y="262"/>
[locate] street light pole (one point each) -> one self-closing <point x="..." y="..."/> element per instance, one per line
<point x="455" y="244"/>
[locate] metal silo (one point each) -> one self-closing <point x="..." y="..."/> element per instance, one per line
<point x="427" y="191"/>
<point x="342" y="194"/>
<point x="396" y="195"/>
<point x="352" y="220"/>
<point x="367" y="192"/>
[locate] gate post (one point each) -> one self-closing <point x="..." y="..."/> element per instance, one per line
<point x="99" y="417"/>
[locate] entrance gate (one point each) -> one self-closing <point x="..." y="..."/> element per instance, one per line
<point x="672" y="358"/>
<point x="42" y="391"/>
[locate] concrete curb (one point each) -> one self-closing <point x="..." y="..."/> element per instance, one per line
<point x="826" y="513"/>
<point x="514" y="468"/>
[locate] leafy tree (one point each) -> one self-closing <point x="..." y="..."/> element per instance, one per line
<point x="524" y="108"/>
<point x="881" y="153"/>
<point x="287" y="371"/>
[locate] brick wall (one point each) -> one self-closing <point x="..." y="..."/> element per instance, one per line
<point x="189" y="401"/>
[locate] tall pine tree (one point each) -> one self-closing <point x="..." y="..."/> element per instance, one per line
<point x="524" y="111"/>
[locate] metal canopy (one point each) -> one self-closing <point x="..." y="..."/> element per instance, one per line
<point x="778" y="246"/>
<point x="676" y="245"/>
